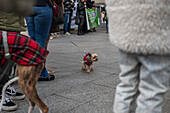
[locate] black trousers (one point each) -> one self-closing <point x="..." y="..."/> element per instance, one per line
<point x="5" y="71"/>
<point x="81" y="25"/>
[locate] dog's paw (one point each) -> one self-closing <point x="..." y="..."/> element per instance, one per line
<point x="88" y="71"/>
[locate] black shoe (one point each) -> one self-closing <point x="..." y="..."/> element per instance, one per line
<point x="10" y="91"/>
<point x="82" y="33"/>
<point x="8" y="104"/>
<point x="49" y="78"/>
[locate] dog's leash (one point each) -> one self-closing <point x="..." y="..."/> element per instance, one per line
<point x="74" y="43"/>
<point x="78" y="47"/>
<point x="5" y="43"/>
<point x="7" y="56"/>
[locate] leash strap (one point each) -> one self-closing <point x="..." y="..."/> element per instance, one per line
<point x="5" y="43"/>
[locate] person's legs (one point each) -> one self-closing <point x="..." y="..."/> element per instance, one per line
<point x="107" y="28"/>
<point x="5" y="70"/>
<point x="81" y="24"/>
<point x="42" y="27"/>
<point x="128" y="87"/>
<point x="154" y="82"/>
<point x="66" y="18"/>
<point x="39" y="26"/>
<point x="4" y="73"/>
<point x="69" y="23"/>
<point x="31" y="27"/>
<point x="42" y="23"/>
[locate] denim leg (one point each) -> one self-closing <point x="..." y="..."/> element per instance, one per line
<point x="31" y="27"/>
<point x="127" y="89"/>
<point x="66" y="18"/>
<point x="39" y="26"/>
<point x="154" y="82"/>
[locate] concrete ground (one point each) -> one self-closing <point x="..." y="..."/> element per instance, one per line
<point x="73" y="90"/>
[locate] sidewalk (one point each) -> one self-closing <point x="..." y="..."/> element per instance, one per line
<point x="74" y="91"/>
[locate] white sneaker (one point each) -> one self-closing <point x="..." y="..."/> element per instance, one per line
<point x="51" y="37"/>
<point x="10" y="91"/>
<point x="8" y="104"/>
<point x="67" y="33"/>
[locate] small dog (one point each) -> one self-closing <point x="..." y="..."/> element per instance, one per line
<point x="88" y="60"/>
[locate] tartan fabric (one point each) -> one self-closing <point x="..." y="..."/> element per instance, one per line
<point x="23" y="50"/>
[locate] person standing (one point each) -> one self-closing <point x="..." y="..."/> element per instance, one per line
<point x="89" y="4"/>
<point x="105" y="18"/>
<point x="39" y="24"/>
<point x="85" y="29"/>
<point x="81" y="15"/>
<point x="11" y="20"/>
<point x="94" y="7"/>
<point x="67" y="12"/>
<point x="71" y="14"/>
<point x="140" y="29"/>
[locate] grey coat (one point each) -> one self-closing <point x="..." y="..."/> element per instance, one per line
<point x="140" y="26"/>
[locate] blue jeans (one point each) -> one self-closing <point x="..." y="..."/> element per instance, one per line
<point x="66" y="18"/>
<point x="39" y="26"/>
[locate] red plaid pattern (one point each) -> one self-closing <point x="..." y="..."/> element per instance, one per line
<point x="23" y="50"/>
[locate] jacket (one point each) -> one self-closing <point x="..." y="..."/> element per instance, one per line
<point x="140" y="26"/>
<point x="67" y="6"/>
<point x="22" y="7"/>
<point x="89" y="4"/>
<point x="81" y="8"/>
<point x="41" y="2"/>
<point x="11" y="22"/>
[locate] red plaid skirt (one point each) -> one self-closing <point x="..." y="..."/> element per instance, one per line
<point x="23" y="50"/>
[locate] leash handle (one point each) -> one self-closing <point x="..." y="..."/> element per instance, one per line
<point x="5" y="43"/>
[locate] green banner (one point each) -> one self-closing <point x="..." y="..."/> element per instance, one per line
<point x="92" y="18"/>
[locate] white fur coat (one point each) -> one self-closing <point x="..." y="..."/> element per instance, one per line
<point x="140" y="26"/>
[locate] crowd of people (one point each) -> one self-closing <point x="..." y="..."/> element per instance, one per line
<point x="81" y="14"/>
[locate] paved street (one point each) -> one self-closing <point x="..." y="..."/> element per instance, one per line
<point x="73" y="90"/>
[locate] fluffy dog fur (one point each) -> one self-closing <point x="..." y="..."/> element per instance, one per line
<point x="28" y="76"/>
<point x="92" y="58"/>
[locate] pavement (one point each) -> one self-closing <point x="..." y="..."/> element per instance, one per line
<point x="74" y="90"/>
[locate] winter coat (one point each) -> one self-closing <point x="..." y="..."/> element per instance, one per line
<point x="67" y="6"/>
<point x="140" y="26"/>
<point x="89" y="4"/>
<point x="21" y="7"/>
<point x="81" y="8"/>
<point x="11" y="22"/>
